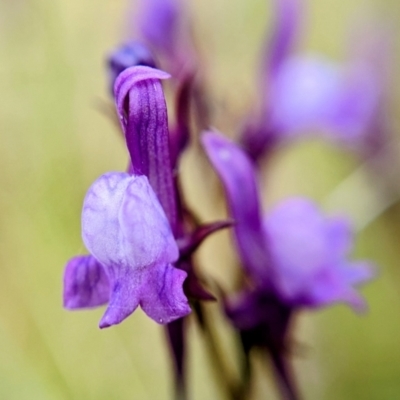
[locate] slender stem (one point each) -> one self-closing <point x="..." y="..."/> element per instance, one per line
<point x="285" y="380"/>
<point x="222" y="372"/>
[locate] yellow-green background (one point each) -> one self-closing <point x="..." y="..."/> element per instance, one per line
<point x="55" y="142"/>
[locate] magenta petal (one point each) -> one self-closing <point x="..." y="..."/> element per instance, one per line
<point x="239" y="180"/>
<point x="162" y="297"/>
<point x="85" y="283"/>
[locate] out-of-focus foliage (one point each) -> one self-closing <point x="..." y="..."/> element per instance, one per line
<point x="55" y="142"/>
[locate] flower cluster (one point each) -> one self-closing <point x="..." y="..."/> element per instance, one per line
<point x="140" y="233"/>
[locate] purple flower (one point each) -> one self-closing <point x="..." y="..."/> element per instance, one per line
<point x="303" y="95"/>
<point x="126" y="230"/>
<point x="294" y="258"/>
<point x="309" y="256"/>
<point x="129" y="219"/>
<point x="312" y="93"/>
<point x="296" y="252"/>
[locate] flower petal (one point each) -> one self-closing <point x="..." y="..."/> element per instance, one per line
<point x="238" y="177"/>
<point x="309" y="256"/>
<point x="157" y="288"/>
<point x="162" y="297"/>
<point x="143" y="113"/>
<point x="86" y="284"/>
<point x="123" y="223"/>
<point x="126" y="229"/>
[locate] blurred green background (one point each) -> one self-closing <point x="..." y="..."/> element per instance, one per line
<point x="55" y="142"/>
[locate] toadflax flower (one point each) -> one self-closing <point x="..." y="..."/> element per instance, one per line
<point x="129" y="220"/>
<point x="294" y="258"/>
<point x="132" y="246"/>
<point x="300" y="254"/>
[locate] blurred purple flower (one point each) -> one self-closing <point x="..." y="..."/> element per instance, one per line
<point x="306" y="94"/>
<point x="294" y="258"/>
<point x="312" y="93"/>
<point x="296" y="252"/>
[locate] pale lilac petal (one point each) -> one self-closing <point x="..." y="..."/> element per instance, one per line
<point x="162" y="297"/>
<point x="143" y="114"/>
<point x="123" y="222"/>
<point x="238" y="178"/>
<point x="126" y="229"/>
<point x="86" y="284"/>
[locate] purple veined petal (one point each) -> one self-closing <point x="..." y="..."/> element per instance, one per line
<point x="288" y="16"/>
<point x="162" y="296"/>
<point x="127" y="231"/>
<point x="143" y="113"/>
<point x="86" y="284"/>
<point x="239" y="180"/>
<point x="156" y="288"/>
